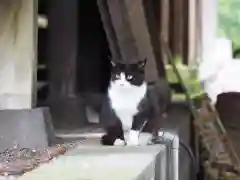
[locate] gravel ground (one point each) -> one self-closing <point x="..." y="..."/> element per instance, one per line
<point x="16" y="161"/>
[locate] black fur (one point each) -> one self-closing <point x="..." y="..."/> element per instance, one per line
<point x="136" y="71"/>
<point x="150" y="108"/>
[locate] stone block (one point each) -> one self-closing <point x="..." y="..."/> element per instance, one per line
<point x="106" y="163"/>
<point x="25" y="128"/>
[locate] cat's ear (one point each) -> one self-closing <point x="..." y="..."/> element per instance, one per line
<point x="113" y="63"/>
<point x="141" y="64"/>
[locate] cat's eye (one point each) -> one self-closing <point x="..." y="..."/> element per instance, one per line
<point x="129" y="77"/>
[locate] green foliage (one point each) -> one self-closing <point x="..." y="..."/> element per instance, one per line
<point x="229" y="20"/>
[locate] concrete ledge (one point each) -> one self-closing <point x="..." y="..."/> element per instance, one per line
<point x="105" y="163"/>
<point x="25" y="128"/>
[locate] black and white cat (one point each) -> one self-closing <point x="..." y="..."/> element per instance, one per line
<point x="132" y="105"/>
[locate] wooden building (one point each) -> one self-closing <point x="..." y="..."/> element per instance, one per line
<point x="69" y="47"/>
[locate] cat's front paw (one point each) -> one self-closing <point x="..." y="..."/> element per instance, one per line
<point x="119" y="142"/>
<point x="132" y="143"/>
<point x="133" y="138"/>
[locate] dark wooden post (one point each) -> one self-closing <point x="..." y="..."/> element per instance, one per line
<point x="164" y="22"/>
<point x="176" y="27"/>
<point x="109" y="29"/>
<point x="62" y="57"/>
<point x="185" y="22"/>
<point x="122" y="27"/>
<point x="153" y="13"/>
<point x="132" y="33"/>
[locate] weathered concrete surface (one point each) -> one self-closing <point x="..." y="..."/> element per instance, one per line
<point x="178" y="120"/>
<point x="25" y="129"/>
<point x="17" y="54"/>
<point x="105" y="163"/>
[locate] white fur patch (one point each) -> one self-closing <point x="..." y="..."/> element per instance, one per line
<point x="133" y="138"/>
<point x="125" y="99"/>
<point x="119" y="142"/>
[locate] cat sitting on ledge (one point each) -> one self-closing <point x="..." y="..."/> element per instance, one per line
<point x="132" y="105"/>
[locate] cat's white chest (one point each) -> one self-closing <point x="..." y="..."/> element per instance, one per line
<point x="125" y="101"/>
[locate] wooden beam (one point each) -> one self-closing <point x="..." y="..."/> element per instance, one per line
<point x="185" y="29"/>
<point x="121" y="23"/>
<point x="176" y="27"/>
<point x="192" y="36"/>
<point x="140" y="29"/>
<point x="62" y="58"/>
<point x="109" y="29"/>
<point x="152" y="11"/>
<point x="165" y="23"/>
<point x="134" y="40"/>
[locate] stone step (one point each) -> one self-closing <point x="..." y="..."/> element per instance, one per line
<point x="105" y="163"/>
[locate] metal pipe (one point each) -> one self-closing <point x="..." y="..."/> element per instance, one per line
<point x="175" y="152"/>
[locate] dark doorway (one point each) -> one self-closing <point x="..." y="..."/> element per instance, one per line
<point x="90" y="66"/>
<point x="93" y="65"/>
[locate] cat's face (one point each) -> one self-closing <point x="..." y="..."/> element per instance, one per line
<point x="128" y="75"/>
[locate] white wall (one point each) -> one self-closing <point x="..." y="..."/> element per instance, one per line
<point x="17" y="53"/>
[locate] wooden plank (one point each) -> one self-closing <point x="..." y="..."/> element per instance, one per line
<point x="62" y="51"/>
<point x="152" y="11"/>
<point x="176" y="27"/>
<point x="109" y="29"/>
<point x="122" y="28"/>
<point x="185" y="29"/>
<point x="140" y="29"/>
<point x="198" y="31"/>
<point x="192" y="35"/>
<point x="165" y="23"/>
<point x="134" y="40"/>
<point x="62" y="56"/>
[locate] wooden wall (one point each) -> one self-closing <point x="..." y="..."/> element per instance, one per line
<point x="180" y="24"/>
<point x="136" y="28"/>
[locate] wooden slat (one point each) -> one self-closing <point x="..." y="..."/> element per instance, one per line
<point x="62" y="56"/>
<point x="122" y="28"/>
<point x="176" y="27"/>
<point x="109" y="29"/>
<point x="192" y="35"/>
<point x="165" y="23"/>
<point x="132" y="32"/>
<point x="152" y="11"/>
<point x="185" y="24"/>
<point x="142" y="36"/>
